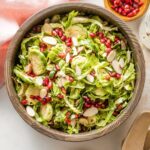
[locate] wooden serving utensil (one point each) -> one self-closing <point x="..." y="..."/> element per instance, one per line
<point x="142" y="11"/>
<point x="138" y="137"/>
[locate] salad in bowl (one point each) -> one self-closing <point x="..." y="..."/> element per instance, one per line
<point x="75" y="72"/>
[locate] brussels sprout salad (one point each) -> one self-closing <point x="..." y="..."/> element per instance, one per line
<point x="74" y="72"/>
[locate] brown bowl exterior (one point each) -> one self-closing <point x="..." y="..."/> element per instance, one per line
<point x="63" y="8"/>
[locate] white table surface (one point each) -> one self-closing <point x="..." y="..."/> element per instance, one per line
<point x="15" y="134"/>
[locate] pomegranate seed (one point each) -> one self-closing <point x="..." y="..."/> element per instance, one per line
<point x="108" y="44"/>
<point x="112" y="74"/>
<point x="63" y="38"/>
<point x="69" y="40"/>
<point x="119" y="107"/>
<point x="57" y="67"/>
<point x="54" y="33"/>
<point x="43" y="46"/>
<point x="127" y="6"/>
<point x="60" y="96"/>
<point x="101" y="35"/>
<point x="117" y="39"/>
<point x="60" y="33"/>
<point x="68" y="114"/>
<point x="97" y="105"/>
<point x="50" y="85"/>
<point x="57" y="31"/>
<point x="71" y="57"/>
<point x="69" y="44"/>
<point x="118" y="76"/>
<point x="124" y="13"/>
<point x="45" y="100"/>
<point x="63" y="90"/>
<point x="120" y="10"/>
<point x="87" y="105"/>
<point x="141" y="3"/>
<point x="76" y="116"/>
<point x="31" y="74"/>
<point x="71" y="79"/>
<point x="86" y="98"/>
<point x="92" y="35"/>
<point x="115" y="113"/>
<point x="102" y="40"/>
<point x="68" y="121"/>
<point x="107" y="77"/>
<point x="62" y="55"/>
<point x="108" y="50"/>
<point x="46" y="81"/>
<point x="116" y="9"/>
<point x="68" y="50"/>
<point x="137" y="1"/>
<point x="130" y="14"/>
<point x="24" y="102"/>
<point x="135" y="5"/>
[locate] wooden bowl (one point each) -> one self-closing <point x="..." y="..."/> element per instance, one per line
<point x="89" y="9"/>
<point x="143" y="9"/>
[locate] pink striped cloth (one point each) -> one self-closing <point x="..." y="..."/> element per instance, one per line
<point x="12" y="14"/>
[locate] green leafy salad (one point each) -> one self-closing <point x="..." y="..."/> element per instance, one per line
<point x="74" y="73"/>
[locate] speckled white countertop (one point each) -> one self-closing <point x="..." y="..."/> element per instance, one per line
<point x="15" y="134"/>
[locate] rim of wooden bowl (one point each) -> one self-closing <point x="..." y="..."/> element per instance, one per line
<point x="63" y="8"/>
<point x="142" y="11"/>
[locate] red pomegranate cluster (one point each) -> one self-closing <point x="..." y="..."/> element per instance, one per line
<point x="127" y="8"/>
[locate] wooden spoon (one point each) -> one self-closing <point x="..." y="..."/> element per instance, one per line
<point x="135" y="139"/>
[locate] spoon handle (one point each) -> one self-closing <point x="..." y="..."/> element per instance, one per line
<point x="135" y="139"/>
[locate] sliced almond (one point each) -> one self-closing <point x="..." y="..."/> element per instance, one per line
<point x="121" y="62"/>
<point x="116" y="66"/>
<point x="78" y="71"/>
<point x="128" y="56"/>
<point x="67" y="58"/>
<point x="30" y="111"/>
<point x="111" y="56"/>
<point x="90" y="112"/>
<point x="90" y="78"/>
<point x="80" y="49"/>
<point x="74" y="51"/>
<point x="43" y="92"/>
<point x="75" y="41"/>
<point x="49" y="40"/>
<point x="28" y="68"/>
<point x="39" y="81"/>
<point x="83" y="121"/>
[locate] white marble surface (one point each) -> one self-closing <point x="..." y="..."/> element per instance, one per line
<point x="15" y="134"/>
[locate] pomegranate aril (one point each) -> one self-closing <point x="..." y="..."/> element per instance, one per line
<point x="141" y="3"/>
<point x="118" y="76"/>
<point x="54" y="33"/>
<point x="63" y="38"/>
<point x="60" y="33"/>
<point x="68" y="114"/>
<point x="69" y="44"/>
<point x="107" y="77"/>
<point x="57" y="67"/>
<point x="71" y="79"/>
<point x="87" y="105"/>
<point x="46" y="81"/>
<point x="69" y="40"/>
<point x="57" y="30"/>
<point x="24" y="102"/>
<point x="108" y="50"/>
<point x="86" y="98"/>
<point x="60" y="96"/>
<point x="102" y="40"/>
<point x="92" y="35"/>
<point x="62" y="55"/>
<point x="63" y="90"/>
<point x="50" y="85"/>
<point x="43" y="46"/>
<point x="112" y="74"/>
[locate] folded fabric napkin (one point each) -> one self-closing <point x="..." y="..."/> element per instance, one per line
<point x="12" y="14"/>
